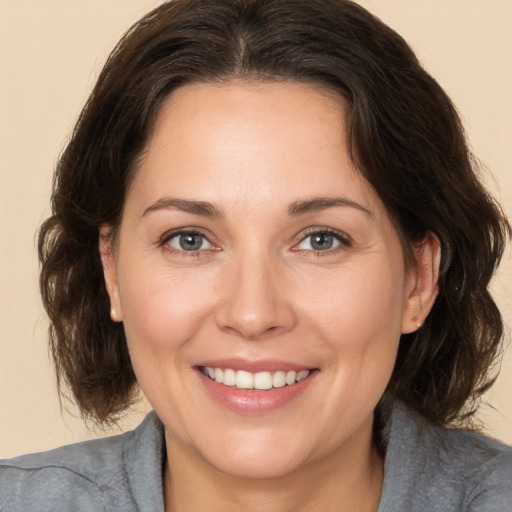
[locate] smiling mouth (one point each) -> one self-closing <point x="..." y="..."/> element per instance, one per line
<point x="242" y="379"/>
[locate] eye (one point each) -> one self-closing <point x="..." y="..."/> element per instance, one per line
<point x="321" y="241"/>
<point x="188" y="241"/>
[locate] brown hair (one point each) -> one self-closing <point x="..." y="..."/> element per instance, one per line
<point x="405" y="136"/>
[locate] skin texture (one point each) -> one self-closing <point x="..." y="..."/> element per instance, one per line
<point x="257" y="290"/>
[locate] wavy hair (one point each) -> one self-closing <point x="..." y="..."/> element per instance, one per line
<point x="405" y="137"/>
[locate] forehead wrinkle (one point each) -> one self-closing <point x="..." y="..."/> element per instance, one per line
<point x="202" y="208"/>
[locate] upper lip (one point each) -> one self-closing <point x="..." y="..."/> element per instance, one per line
<point x="254" y="366"/>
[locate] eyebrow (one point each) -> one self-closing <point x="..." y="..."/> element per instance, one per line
<point x="297" y="208"/>
<point x="185" y="205"/>
<point x="317" y="204"/>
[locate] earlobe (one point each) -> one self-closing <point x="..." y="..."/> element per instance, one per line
<point x="422" y="283"/>
<point x="106" y="249"/>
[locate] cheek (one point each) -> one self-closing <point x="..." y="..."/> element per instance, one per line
<point x="357" y="317"/>
<point x="360" y="299"/>
<point x="162" y="309"/>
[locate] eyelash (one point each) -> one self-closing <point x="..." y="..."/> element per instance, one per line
<point x="167" y="237"/>
<point x="342" y="238"/>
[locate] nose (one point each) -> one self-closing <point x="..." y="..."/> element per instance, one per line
<point x="254" y="303"/>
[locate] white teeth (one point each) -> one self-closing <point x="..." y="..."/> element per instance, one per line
<point x="247" y="380"/>
<point x="262" y="380"/>
<point x="279" y="379"/>
<point x="229" y="377"/>
<point x="290" y="378"/>
<point x="244" y="380"/>
<point x="302" y="375"/>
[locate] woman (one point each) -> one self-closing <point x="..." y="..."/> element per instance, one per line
<point x="268" y="218"/>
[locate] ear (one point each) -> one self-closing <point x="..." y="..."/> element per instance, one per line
<point x="108" y="261"/>
<point x="421" y="283"/>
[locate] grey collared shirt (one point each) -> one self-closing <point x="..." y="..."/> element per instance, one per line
<point x="427" y="469"/>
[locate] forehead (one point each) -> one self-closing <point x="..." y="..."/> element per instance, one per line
<point x="249" y="143"/>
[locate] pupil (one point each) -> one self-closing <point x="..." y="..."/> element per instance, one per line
<point x="190" y="242"/>
<point x="322" y="241"/>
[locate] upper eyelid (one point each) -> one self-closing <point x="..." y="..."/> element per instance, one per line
<point x="183" y="231"/>
<point x="164" y="243"/>
<point x="340" y="234"/>
<point x="344" y="240"/>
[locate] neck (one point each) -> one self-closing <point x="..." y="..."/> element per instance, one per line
<point x="349" y="479"/>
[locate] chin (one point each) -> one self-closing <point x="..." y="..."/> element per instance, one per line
<point x="262" y="468"/>
<point x="257" y="459"/>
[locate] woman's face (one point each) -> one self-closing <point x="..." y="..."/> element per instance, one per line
<point x="251" y="249"/>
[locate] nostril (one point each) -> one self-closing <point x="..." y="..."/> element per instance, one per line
<point x="254" y="334"/>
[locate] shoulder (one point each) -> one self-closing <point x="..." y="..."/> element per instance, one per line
<point x="82" y="477"/>
<point x="483" y="467"/>
<point x="68" y="478"/>
<point x="39" y="481"/>
<point x="437" y="469"/>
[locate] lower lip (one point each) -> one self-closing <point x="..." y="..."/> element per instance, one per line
<point x="254" y="401"/>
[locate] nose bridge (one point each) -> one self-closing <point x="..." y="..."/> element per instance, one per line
<point x="255" y="304"/>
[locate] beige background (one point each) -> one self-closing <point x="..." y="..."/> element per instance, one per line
<point x="50" y="54"/>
